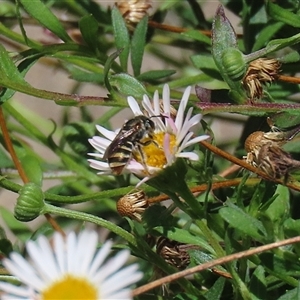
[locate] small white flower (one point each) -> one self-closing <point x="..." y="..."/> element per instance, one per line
<point x="72" y="269"/>
<point x="171" y="137"/>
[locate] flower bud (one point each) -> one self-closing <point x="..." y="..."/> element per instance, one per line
<point x="234" y="63"/>
<point x="30" y="202"/>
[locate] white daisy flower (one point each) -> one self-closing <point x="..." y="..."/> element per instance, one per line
<point x="72" y="269"/>
<point x="171" y="136"/>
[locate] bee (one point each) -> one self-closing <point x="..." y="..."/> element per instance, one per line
<point x="129" y="139"/>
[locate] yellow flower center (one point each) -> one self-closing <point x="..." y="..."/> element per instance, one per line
<point x="71" y="287"/>
<point x="154" y="155"/>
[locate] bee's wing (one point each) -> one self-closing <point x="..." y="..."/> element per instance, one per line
<point x="118" y="140"/>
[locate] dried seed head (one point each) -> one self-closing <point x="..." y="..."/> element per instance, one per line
<point x="133" y="11"/>
<point x="274" y="161"/>
<point x="260" y="71"/>
<point x="173" y="253"/>
<point x="264" y="152"/>
<point x="253" y="87"/>
<point x="253" y="140"/>
<point x="133" y="205"/>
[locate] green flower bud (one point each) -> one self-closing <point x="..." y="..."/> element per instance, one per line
<point x="30" y="202"/>
<point x="234" y="63"/>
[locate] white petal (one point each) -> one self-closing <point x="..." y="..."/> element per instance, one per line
<point x="99" y="143"/>
<point x="97" y="155"/>
<point x="194" y="120"/>
<point x="188" y="155"/>
<point x="99" y="258"/>
<point x="19" y="267"/>
<point x="156" y="104"/>
<point x="41" y="254"/>
<point x="166" y="99"/>
<point x="122" y="279"/>
<point x="145" y="179"/>
<point x="59" y="251"/>
<point x="181" y="109"/>
<point x="86" y="254"/>
<point x="14" y="290"/>
<point x="112" y="265"/>
<point x="107" y="133"/>
<point x="167" y="150"/>
<point x="185" y="141"/>
<point x="99" y="165"/>
<point x="134" y="106"/>
<point x="196" y="140"/>
<point x="148" y="106"/>
<point x="71" y="242"/>
<point x="123" y="294"/>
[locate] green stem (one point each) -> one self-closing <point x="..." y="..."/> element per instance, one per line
<point x="198" y="215"/>
<point x="255" y="109"/>
<point x="63" y="212"/>
<point x="13" y="36"/>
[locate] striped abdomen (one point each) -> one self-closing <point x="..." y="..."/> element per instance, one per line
<point x="118" y="159"/>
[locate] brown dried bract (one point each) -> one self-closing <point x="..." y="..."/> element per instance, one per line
<point x="133" y="11"/>
<point x="174" y="253"/>
<point x="260" y="71"/>
<point x="264" y="152"/>
<point x="133" y="205"/>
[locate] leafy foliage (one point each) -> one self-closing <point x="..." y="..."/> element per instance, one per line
<point x="93" y="45"/>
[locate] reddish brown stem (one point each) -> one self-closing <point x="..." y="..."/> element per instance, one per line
<point x="203" y="187"/>
<point x="174" y="28"/>
<point x="18" y="165"/>
<point x="10" y="148"/>
<point x="290" y="79"/>
<point x="247" y="166"/>
<point x="212" y="263"/>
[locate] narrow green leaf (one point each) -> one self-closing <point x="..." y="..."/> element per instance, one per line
<point x="89" y="29"/>
<point x="8" y="69"/>
<point x="291" y="228"/>
<point x="155" y="75"/>
<point x="215" y="292"/>
<point x="282" y="265"/>
<point x="241" y="221"/>
<point x="282" y="15"/>
<point x="224" y="41"/>
<point x="40" y="12"/>
<point x="258" y="287"/>
<point x="138" y="43"/>
<point x="279" y="208"/>
<point x="265" y="35"/>
<point x="128" y="85"/>
<point x="32" y="168"/>
<point x="206" y="64"/>
<point x="18" y="228"/>
<point x="5" y="160"/>
<point x="276" y="45"/>
<point x="83" y="76"/>
<point x="23" y="68"/>
<point x="293" y="294"/>
<point x="198" y="36"/>
<point x="122" y="39"/>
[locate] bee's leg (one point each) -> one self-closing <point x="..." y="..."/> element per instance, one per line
<point x="143" y="156"/>
<point x="149" y="142"/>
